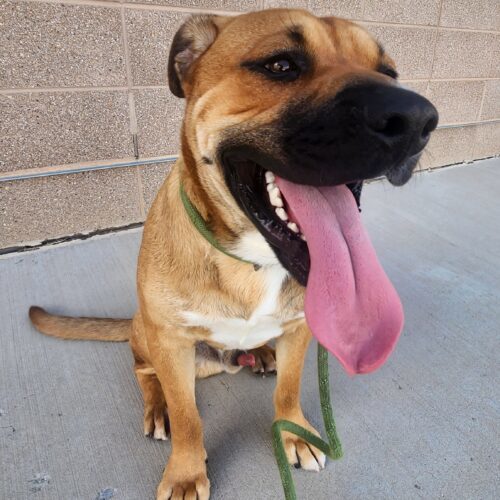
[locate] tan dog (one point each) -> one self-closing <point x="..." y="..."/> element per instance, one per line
<point x="275" y="101"/>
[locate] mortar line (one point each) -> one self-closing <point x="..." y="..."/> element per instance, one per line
<point x="41" y="90"/>
<point x="140" y="184"/>
<point x="194" y="10"/>
<point x="480" y="111"/>
<point x="140" y="6"/>
<point x="434" y="49"/>
<point x="126" y="52"/>
<point x="425" y="27"/>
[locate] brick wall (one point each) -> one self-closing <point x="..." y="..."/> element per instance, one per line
<point x="83" y="84"/>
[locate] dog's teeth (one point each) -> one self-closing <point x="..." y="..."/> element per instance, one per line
<point x="270" y="177"/>
<point x="271" y="186"/>
<point x="275" y="197"/>
<point x="293" y="227"/>
<point x="303" y="237"/>
<point x="280" y="212"/>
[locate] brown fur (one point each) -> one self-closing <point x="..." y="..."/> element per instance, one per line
<point x="178" y="270"/>
<point x="65" y="327"/>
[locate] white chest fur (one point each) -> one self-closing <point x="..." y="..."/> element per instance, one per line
<point x="263" y="325"/>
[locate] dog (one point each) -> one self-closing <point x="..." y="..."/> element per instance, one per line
<point x="286" y="115"/>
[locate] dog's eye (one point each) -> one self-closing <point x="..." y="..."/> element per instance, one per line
<point x="284" y="67"/>
<point x="388" y="71"/>
<point x="279" y="66"/>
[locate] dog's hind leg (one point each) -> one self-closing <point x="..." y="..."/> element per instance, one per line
<point x="265" y="359"/>
<point x="155" y="407"/>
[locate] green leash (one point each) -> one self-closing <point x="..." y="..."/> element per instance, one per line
<point x="333" y="448"/>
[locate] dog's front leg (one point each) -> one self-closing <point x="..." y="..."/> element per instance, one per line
<point x="291" y="349"/>
<point x="173" y="358"/>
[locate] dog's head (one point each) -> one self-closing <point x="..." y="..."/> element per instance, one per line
<point x="313" y="100"/>
<point x="286" y="115"/>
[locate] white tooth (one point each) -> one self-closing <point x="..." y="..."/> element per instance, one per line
<point x="280" y="212"/>
<point x="271" y="186"/>
<point x="275" y="198"/>
<point x="270" y="177"/>
<point x="303" y="237"/>
<point x="276" y="202"/>
<point x="293" y="227"/>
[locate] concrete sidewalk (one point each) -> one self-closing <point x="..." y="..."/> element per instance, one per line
<point x="424" y="426"/>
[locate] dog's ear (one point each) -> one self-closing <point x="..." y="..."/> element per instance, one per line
<point x="192" y="39"/>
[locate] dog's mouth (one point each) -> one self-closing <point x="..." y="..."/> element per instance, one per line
<point x="257" y="193"/>
<point x="316" y="232"/>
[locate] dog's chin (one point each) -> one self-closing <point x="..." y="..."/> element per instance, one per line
<point x="401" y="174"/>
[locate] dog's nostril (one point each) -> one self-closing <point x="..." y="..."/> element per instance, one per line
<point x="430" y="125"/>
<point x="392" y="126"/>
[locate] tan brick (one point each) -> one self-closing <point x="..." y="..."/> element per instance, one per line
<point x="286" y="4"/>
<point x="50" y="207"/>
<point x="159" y="119"/>
<point x="350" y="9"/>
<point x="425" y="12"/>
<point x="449" y="146"/>
<point x="411" y="48"/>
<point x="49" y="45"/>
<point x="478" y="14"/>
<point x="150" y="34"/>
<point x="495" y="58"/>
<point x="41" y="129"/>
<point x="456" y="101"/>
<point x="420" y="87"/>
<point x="463" y="54"/>
<point x="487" y="141"/>
<point x="228" y="5"/>
<point x="491" y="103"/>
<point x="153" y="177"/>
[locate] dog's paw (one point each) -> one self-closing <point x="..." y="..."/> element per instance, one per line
<point x="265" y="360"/>
<point x="178" y="484"/>
<point x="156" y="424"/>
<point x="301" y="454"/>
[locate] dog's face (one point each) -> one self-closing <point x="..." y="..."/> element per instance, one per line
<point x="313" y="100"/>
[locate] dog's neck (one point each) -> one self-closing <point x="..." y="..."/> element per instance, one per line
<point x="216" y="206"/>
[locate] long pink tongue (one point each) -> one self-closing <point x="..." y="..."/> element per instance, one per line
<point x="351" y="306"/>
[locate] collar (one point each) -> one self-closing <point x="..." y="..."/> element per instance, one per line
<point x="202" y="227"/>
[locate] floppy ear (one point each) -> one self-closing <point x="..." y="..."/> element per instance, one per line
<point x="192" y="39"/>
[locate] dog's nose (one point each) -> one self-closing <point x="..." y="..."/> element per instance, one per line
<point x="397" y="116"/>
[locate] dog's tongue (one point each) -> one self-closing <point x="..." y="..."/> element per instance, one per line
<point x="351" y="306"/>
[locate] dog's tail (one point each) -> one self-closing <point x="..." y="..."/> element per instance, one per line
<point x="65" y="327"/>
